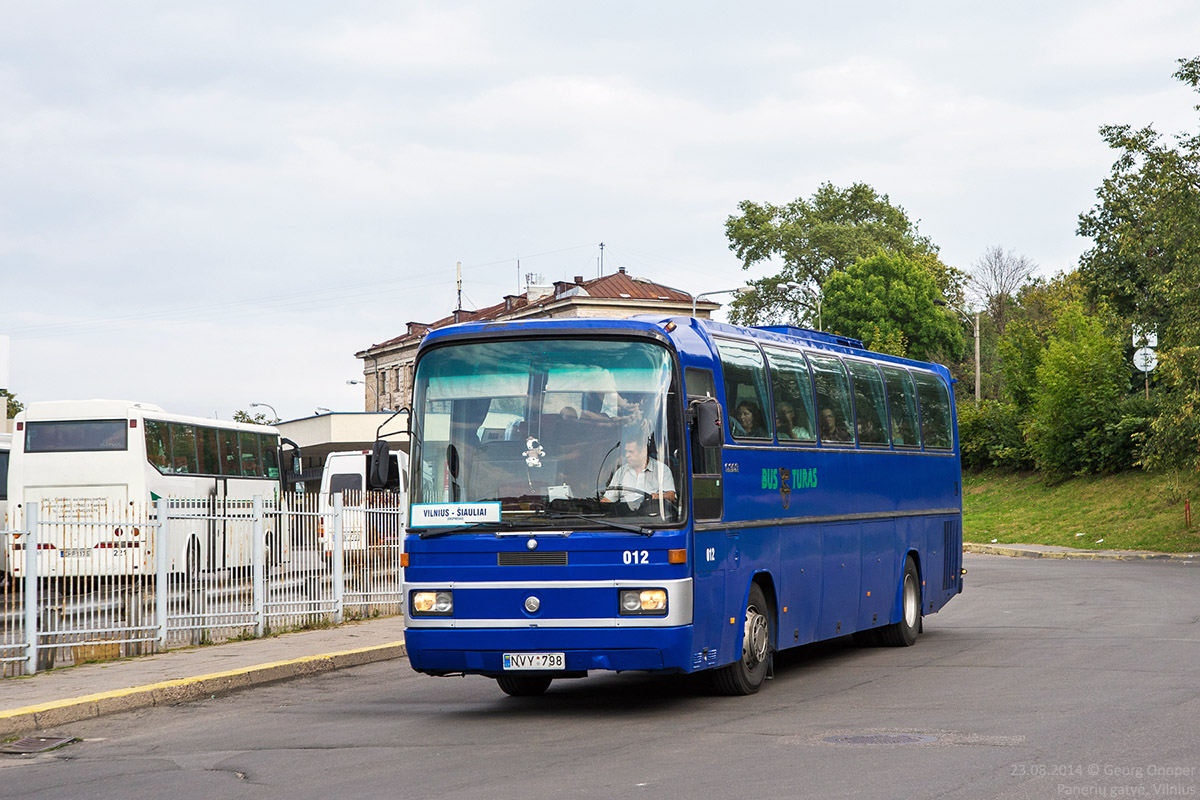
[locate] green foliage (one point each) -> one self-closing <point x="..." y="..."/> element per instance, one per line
<point x="990" y="437"/>
<point x="1173" y="436"/>
<point x="1145" y="261"/>
<point x="15" y="406"/>
<point x="888" y="298"/>
<point x="1020" y="356"/>
<point x="1075" y="424"/>
<point x="256" y="419"/>
<point x="819" y="237"/>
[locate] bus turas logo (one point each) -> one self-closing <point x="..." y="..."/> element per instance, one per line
<point x="785" y="480"/>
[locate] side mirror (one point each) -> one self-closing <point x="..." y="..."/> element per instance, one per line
<point x="708" y="422"/>
<point x="380" y="465"/>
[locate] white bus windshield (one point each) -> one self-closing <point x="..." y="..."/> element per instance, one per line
<point x="550" y="429"/>
<point x="74" y="436"/>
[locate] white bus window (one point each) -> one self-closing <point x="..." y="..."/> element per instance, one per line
<point x="210" y="451"/>
<point x="158" y="446"/>
<point x="183" y="448"/>
<point x="270" y="456"/>
<point x="231" y="459"/>
<point x="251" y="462"/>
<point x="76" y="436"/>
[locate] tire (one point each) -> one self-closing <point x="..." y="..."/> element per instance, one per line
<point x="746" y="675"/>
<point x="904" y="633"/>
<point x="523" y="685"/>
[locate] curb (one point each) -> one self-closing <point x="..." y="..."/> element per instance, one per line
<point x="182" y="690"/>
<point x="1020" y="551"/>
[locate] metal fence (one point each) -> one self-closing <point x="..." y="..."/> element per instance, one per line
<point x="104" y="584"/>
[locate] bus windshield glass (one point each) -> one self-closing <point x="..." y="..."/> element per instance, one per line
<point x="75" y="436"/>
<point x="552" y="430"/>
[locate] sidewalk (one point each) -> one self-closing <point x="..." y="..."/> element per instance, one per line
<point x="1050" y="551"/>
<point x="57" y="697"/>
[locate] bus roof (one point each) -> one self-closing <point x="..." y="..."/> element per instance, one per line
<point x="50" y="410"/>
<point x="704" y="328"/>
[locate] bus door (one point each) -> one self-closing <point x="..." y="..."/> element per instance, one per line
<point x="711" y="546"/>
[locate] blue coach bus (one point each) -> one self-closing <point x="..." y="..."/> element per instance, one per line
<point x="671" y="495"/>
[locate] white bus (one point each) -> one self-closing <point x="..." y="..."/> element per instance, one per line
<point x="107" y="461"/>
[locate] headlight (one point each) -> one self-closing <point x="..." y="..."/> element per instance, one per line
<point x="439" y="604"/>
<point x="644" y="602"/>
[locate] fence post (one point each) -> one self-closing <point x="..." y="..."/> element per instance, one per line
<point x="259" y="558"/>
<point x="339" y="562"/>
<point x="31" y="588"/>
<point x="161" y="583"/>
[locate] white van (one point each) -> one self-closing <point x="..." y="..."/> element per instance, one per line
<point x="5" y="446"/>
<point x="372" y="518"/>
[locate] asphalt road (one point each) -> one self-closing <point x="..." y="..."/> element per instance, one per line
<point x="1046" y="678"/>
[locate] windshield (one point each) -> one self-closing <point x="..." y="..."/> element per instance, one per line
<point x="550" y="430"/>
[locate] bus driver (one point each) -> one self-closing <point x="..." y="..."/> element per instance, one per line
<point x="640" y="477"/>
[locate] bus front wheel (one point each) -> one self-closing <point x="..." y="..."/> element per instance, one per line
<point x="904" y="632"/>
<point x="746" y="675"/>
<point x="523" y="685"/>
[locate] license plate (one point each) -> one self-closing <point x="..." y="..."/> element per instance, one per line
<point x="76" y="552"/>
<point x="535" y="661"/>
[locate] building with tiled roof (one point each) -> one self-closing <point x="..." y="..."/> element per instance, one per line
<point x="388" y="366"/>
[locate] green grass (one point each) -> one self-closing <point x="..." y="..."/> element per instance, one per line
<point x="1129" y="511"/>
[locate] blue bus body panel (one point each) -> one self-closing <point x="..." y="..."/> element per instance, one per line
<point x="827" y="531"/>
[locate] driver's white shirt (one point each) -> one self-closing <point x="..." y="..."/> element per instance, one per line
<point x="654" y="479"/>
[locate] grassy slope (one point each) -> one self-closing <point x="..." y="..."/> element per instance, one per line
<point x="1130" y="511"/>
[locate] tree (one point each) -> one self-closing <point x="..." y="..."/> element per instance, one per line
<point x="1145" y="260"/>
<point x="15" y="406"/>
<point x="889" y="298"/>
<point x="817" y="238"/>
<point x="258" y="418"/>
<point x="1082" y="378"/>
<point x="994" y="280"/>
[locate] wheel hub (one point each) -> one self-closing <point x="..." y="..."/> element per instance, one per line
<point x="756" y="641"/>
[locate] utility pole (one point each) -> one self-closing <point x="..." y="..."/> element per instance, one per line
<point x="601" y="273"/>
<point x="459" y="306"/>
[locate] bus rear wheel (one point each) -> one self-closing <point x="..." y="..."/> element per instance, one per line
<point x="523" y="685"/>
<point x="904" y="632"/>
<point x="746" y="675"/>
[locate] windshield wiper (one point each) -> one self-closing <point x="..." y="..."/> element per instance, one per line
<point x="608" y="523"/>
<point x="430" y="533"/>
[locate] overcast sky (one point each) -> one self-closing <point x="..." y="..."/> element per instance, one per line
<point x="208" y="204"/>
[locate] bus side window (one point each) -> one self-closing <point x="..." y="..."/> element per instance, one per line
<point x="935" y="411"/>
<point x="707" y="495"/>
<point x="231" y="459"/>
<point x="902" y="403"/>
<point x="833" y="399"/>
<point x="870" y="408"/>
<point x="792" y="388"/>
<point x="210" y="451"/>
<point x="748" y="406"/>
<point x="157" y="446"/>
<point x="251" y="461"/>
<point x="270" y="455"/>
<point x="183" y="448"/>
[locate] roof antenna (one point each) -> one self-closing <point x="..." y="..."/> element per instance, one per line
<point x="459" y="286"/>
<point x="601" y="273"/>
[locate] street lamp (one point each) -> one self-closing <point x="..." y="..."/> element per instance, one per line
<point x="975" y="325"/>
<point x="816" y="298"/>
<point x="322" y="410"/>
<point x="266" y="405"/>
<point x="739" y="290"/>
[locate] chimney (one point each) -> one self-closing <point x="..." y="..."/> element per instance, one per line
<point x="510" y="301"/>
<point x="621" y="270"/>
<point x="579" y="280"/>
<point x="462" y="315"/>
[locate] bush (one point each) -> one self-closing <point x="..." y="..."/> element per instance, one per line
<point x="990" y="436"/>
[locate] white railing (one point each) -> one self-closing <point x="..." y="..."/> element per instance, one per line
<point x="130" y="581"/>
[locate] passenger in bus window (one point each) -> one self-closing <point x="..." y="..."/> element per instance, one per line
<point x="747" y="421"/>
<point x="831" y="429"/>
<point x="786" y="422"/>
<point x="640" y="478"/>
